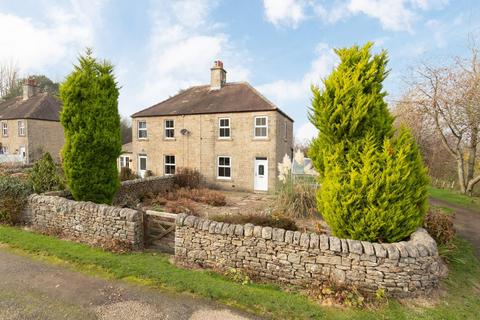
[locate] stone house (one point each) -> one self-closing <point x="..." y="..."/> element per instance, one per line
<point x="228" y="131"/>
<point x="30" y="126"/>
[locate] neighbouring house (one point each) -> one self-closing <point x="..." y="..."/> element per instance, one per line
<point x="228" y="131"/>
<point x="30" y="126"/>
<point x="125" y="159"/>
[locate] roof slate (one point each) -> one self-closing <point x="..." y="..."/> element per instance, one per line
<point x="232" y="97"/>
<point x="42" y="106"/>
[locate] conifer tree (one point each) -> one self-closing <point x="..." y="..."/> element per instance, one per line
<point x="92" y="130"/>
<point x="373" y="182"/>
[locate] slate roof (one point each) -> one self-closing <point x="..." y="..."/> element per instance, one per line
<point x="42" y="106"/>
<point x="232" y="97"/>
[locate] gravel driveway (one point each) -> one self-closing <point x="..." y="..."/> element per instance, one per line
<point x="34" y="290"/>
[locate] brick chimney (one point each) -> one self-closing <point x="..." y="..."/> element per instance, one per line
<point x="218" y="76"/>
<point x="30" y="88"/>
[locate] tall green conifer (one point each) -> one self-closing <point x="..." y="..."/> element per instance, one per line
<point x="373" y="183"/>
<point x="92" y="130"/>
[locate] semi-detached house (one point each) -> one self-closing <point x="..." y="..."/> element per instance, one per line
<point x="228" y="131"/>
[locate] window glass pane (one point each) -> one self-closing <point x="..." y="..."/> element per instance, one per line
<point x="227" y="161"/>
<point x="261" y="121"/>
<point x="221" y="161"/>
<point x="261" y="170"/>
<point x="143" y="163"/>
<point x="227" y="172"/>
<point x="142" y="125"/>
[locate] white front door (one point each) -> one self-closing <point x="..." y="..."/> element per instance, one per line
<point x="22" y="153"/>
<point x="261" y="174"/>
<point x="142" y="165"/>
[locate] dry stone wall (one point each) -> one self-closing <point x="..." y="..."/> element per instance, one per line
<point x="403" y="269"/>
<point x="85" y="221"/>
<point x="137" y="188"/>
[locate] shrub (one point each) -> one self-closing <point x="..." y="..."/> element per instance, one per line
<point x="46" y="175"/>
<point x="13" y="194"/>
<point x="181" y="206"/>
<point x="187" y="178"/>
<point x="258" y="220"/>
<point x="439" y="226"/>
<point x="127" y="174"/>
<point x="373" y="183"/>
<point x="296" y="199"/>
<point x="149" y="173"/>
<point x="92" y="130"/>
<point x="203" y="195"/>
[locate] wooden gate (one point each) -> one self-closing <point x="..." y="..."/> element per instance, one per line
<point x="160" y="231"/>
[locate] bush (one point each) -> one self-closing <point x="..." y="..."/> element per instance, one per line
<point x="13" y="195"/>
<point x="92" y="130"/>
<point x="373" y="183"/>
<point x="181" y="206"/>
<point x="439" y="226"/>
<point x="258" y="220"/>
<point x="187" y="178"/>
<point x="203" y="195"/>
<point x="46" y="175"/>
<point x="127" y="174"/>
<point x="149" y="173"/>
<point x="296" y="200"/>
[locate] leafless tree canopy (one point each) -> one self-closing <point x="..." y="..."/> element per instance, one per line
<point x="8" y="78"/>
<point x="449" y="96"/>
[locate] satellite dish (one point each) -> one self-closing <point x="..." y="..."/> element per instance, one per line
<point x="185" y="132"/>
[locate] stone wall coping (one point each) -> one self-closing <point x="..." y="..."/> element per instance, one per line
<point x="421" y="244"/>
<point x="140" y="180"/>
<point x="131" y="215"/>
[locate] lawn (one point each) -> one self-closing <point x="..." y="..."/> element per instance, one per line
<point x="455" y="198"/>
<point x="461" y="302"/>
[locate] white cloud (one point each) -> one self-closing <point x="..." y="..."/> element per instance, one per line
<point x="306" y="132"/>
<point x="36" y="44"/>
<point x="285" y="12"/>
<point x="182" y="48"/>
<point x="395" y="15"/>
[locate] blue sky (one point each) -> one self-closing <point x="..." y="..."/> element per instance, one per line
<point x="279" y="46"/>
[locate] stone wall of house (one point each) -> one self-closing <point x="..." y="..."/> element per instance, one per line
<point x="403" y="269"/>
<point x="140" y="187"/>
<point x="85" y="221"/>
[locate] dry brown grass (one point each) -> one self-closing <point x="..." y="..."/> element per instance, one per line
<point x="202" y="195"/>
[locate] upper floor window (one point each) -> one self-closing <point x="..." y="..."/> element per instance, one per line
<point x="4" y="129"/>
<point x="142" y="130"/>
<point x="21" y="128"/>
<point x="169" y="129"/>
<point x="224" y="167"/>
<point x="224" y="128"/>
<point x="261" y="127"/>
<point x="169" y="165"/>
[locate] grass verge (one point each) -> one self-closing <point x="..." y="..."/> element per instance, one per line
<point x="462" y="300"/>
<point x="455" y="198"/>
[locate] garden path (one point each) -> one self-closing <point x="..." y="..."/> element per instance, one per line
<point x="466" y="222"/>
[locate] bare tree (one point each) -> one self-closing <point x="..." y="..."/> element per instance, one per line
<point x="450" y="96"/>
<point x="8" y="78"/>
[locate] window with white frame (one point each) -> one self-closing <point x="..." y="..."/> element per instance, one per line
<point x="261" y="127"/>
<point x="169" y="129"/>
<point x="142" y="130"/>
<point x="224" y="167"/>
<point x="124" y="162"/>
<point x="3" y="149"/>
<point x="169" y="165"/>
<point x="21" y="128"/>
<point x="224" y="128"/>
<point x="4" y="129"/>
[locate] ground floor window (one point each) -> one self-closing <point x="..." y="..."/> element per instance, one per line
<point x="124" y="162"/>
<point x="3" y="149"/>
<point x="169" y="165"/>
<point x="224" y="167"/>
